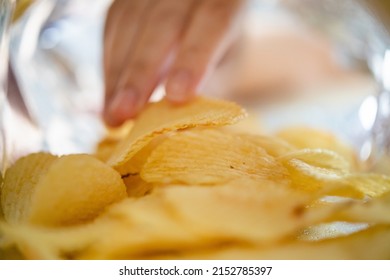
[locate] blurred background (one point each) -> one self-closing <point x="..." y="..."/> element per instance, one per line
<point x="321" y="63"/>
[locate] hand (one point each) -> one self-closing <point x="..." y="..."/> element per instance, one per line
<point x="146" y="42"/>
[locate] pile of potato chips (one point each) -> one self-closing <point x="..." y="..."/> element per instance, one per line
<point x="189" y="183"/>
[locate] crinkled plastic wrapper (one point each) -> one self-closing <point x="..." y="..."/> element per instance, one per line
<point x="55" y="85"/>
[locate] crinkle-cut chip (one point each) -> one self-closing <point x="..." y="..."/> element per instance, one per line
<point x="46" y="190"/>
<point x="369" y="184"/>
<point x="19" y="185"/>
<point x="370" y="244"/>
<point x="316" y="170"/>
<point x="162" y="117"/>
<point x="208" y="157"/>
<point x="327" y="160"/>
<point x="303" y="137"/>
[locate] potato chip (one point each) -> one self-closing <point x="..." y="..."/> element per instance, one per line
<point x="136" y="186"/>
<point x="130" y="171"/>
<point x="46" y="190"/>
<point x="162" y="117"/>
<point x="317" y="170"/>
<point x="209" y="157"/>
<point x="369" y="184"/>
<point x="303" y="137"/>
<point x="20" y="181"/>
<point x="327" y="162"/>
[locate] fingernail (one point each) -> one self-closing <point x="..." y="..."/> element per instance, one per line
<point x="178" y="85"/>
<point x="124" y="106"/>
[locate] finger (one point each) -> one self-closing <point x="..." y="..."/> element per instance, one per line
<point x="123" y="19"/>
<point x="200" y="46"/>
<point x="163" y="25"/>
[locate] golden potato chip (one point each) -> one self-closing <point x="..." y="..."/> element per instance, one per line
<point x="209" y="157"/>
<point x="317" y="170"/>
<point x="369" y="184"/>
<point x="162" y="117"/>
<point x="46" y="190"/>
<point x="20" y="181"/>
<point x="325" y="162"/>
<point x="303" y="137"/>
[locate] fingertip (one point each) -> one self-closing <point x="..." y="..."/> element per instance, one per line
<point x="179" y="87"/>
<point x="124" y="105"/>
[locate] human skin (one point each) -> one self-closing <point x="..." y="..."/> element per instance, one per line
<point x="147" y="42"/>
